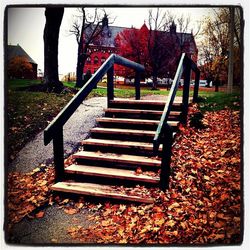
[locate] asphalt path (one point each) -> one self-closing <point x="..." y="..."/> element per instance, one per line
<point x="52" y="228"/>
<point x="74" y="131"/>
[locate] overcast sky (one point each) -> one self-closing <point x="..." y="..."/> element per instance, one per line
<point x="25" y="27"/>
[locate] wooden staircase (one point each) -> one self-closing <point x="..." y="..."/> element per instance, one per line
<point x="131" y="144"/>
<point x="119" y="152"/>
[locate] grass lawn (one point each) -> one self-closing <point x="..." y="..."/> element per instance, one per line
<point x="27" y="114"/>
<point x="30" y="112"/>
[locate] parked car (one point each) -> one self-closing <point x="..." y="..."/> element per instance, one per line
<point x="203" y="83"/>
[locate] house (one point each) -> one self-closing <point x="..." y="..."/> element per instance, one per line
<point x="16" y="51"/>
<point x="100" y="49"/>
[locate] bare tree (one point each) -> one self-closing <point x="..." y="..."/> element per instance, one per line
<point x="162" y="46"/>
<point x="87" y="29"/>
<point x="51" y="34"/>
<point x="231" y="52"/>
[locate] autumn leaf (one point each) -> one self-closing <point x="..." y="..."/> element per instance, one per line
<point x="70" y="211"/>
<point x="40" y="214"/>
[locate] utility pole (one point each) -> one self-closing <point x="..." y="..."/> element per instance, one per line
<point x="231" y="52"/>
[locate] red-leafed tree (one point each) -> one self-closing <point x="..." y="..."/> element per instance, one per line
<point x="19" y="67"/>
<point x="154" y="47"/>
<point x="133" y="45"/>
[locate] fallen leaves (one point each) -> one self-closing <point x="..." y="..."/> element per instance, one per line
<point x="70" y="211"/>
<point x="202" y="205"/>
<point x="27" y="192"/>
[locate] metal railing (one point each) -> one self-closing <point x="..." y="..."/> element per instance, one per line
<point x="164" y="132"/>
<point x="54" y="130"/>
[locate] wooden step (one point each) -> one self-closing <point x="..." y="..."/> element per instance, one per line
<point x="141" y="104"/>
<point x="92" y="189"/>
<point x="134" y="160"/>
<point x="140" y="114"/>
<point x="110" y="173"/>
<point x="177" y="101"/>
<point x="119" y="144"/>
<point x="134" y="121"/>
<point x="139" y="111"/>
<point x="128" y="132"/>
<point x="133" y="111"/>
<point x="132" y="101"/>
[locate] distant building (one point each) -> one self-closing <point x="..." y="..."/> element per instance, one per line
<point x="100" y="49"/>
<point x="15" y="51"/>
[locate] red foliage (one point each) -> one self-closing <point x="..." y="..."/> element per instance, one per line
<point x="158" y="51"/>
<point x="202" y="205"/>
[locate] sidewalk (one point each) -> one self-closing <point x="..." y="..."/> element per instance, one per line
<point x="52" y="227"/>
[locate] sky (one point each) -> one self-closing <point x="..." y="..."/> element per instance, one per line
<point x="25" y="27"/>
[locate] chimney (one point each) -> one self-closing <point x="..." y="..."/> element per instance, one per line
<point x="105" y="21"/>
<point x="173" y="28"/>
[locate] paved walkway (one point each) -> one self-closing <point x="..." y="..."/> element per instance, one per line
<point x="75" y="130"/>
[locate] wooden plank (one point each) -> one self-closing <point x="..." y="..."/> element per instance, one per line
<point x="177" y="102"/>
<point x="134" y="121"/>
<point x="119" y="144"/>
<point x="97" y="190"/>
<point x="119" y="131"/>
<point x="143" y="102"/>
<point x="133" y="111"/>
<point x="118" y="158"/>
<point x="139" y="111"/>
<point x="110" y="173"/>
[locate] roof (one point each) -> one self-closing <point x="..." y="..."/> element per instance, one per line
<point x="17" y="50"/>
<point x="109" y="34"/>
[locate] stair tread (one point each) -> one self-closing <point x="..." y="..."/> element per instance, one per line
<point x="119" y="158"/>
<point x="119" y="143"/>
<point x="150" y="102"/>
<point x="124" y="131"/>
<point x="98" y="190"/>
<point x="134" y="121"/>
<point x="110" y="173"/>
<point x="139" y="111"/>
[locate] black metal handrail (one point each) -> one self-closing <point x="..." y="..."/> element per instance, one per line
<point x="168" y="105"/>
<point x="164" y="130"/>
<point x="54" y="130"/>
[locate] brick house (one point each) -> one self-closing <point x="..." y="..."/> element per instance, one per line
<point x="103" y="47"/>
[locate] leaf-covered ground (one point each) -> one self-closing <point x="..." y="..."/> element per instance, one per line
<point x="202" y="205"/>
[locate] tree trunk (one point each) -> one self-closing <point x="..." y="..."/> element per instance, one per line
<point x="80" y="55"/>
<point x="51" y="34"/>
<point x="231" y="52"/>
<point x="79" y="71"/>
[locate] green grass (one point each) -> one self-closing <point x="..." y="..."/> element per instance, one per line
<point x="21" y="83"/>
<point x="15" y="84"/>
<point x="29" y="113"/>
<point x="213" y="101"/>
<point x="126" y="93"/>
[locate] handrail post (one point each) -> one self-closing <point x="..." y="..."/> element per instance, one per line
<point x="185" y="97"/>
<point x="196" y="86"/>
<point x="58" y="155"/>
<point x="110" y="84"/>
<point x="166" y="156"/>
<point x="137" y="85"/>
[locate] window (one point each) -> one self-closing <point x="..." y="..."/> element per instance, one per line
<point x="96" y="60"/>
<point x="103" y="59"/>
<point x="88" y="60"/>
